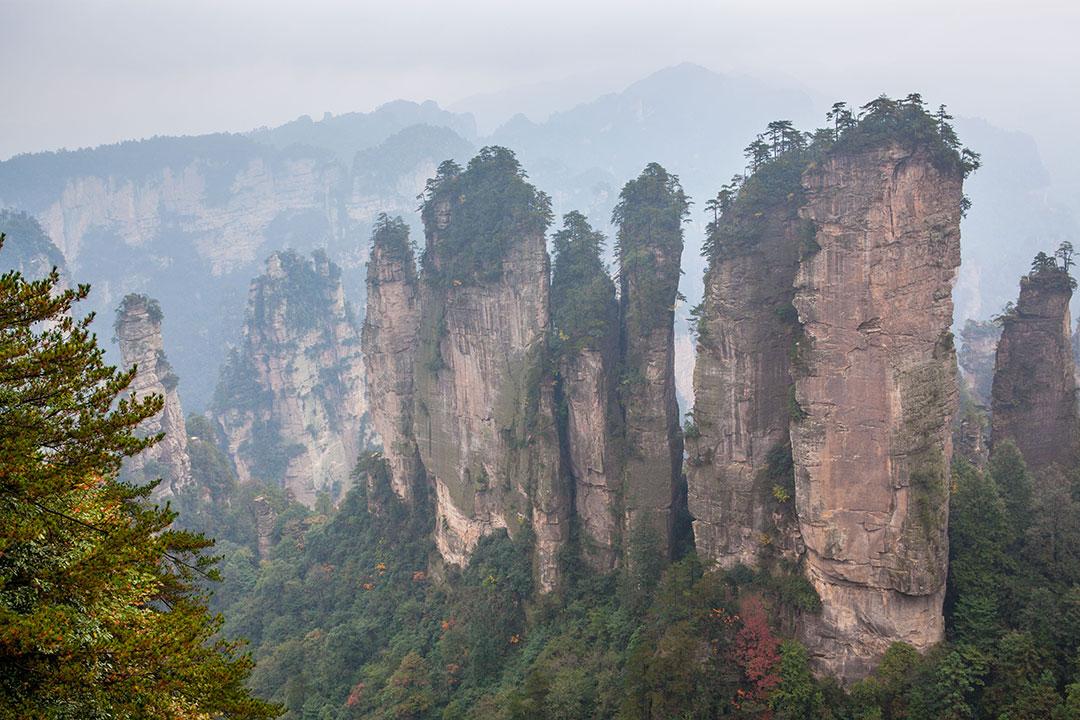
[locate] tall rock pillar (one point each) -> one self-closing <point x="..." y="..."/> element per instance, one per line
<point x="138" y="332"/>
<point x="875" y="393"/>
<point x="290" y="400"/>
<point x="585" y="318"/>
<point x="1034" y="390"/>
<point x="739" y="450"/>
<point x="484" y="408"/>
<point x="390" y="337"/>
<point x="649" y="216"/>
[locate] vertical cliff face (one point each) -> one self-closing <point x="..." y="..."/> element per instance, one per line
<point x="390" y="338"/>
<point x="585" y="319"/>
<point x="484" y="411"/>
<point x="649" y="215"/>
<point x="1034" y="392"/>
<point x="875" y="396"/>
<point x="739" y="443"/>
<point x="290" y="401"/>
<point x="138" y="331"/>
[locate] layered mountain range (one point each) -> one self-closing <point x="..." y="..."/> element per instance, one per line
<point x="190" y="220"/>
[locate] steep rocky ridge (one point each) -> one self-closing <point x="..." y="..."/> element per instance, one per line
<point x="138" y="332"/>
<point x="290" y="400"/>
<point x="650" y="215"/>
<point x="389" y="342"/>
<point x="875" y="392"/>
<point x="1034" y="390"/>
<point x="747" y="330"/>
<point x="484" y="414"/>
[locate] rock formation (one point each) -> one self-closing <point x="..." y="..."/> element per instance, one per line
<point x="290" y="401"/>
<point x="484" y="411"/>
<point x="978" y="346"/>
<point x="586" y="331"/>
<point x="138" y="332"/>
<point x="747" y="330"/>
<point x="875" y="394"/>
<point x="190" y="220"/>
<point x="650" y="214"/>
<point x="1034" y="392"/>
<point x="265" y="519"/>
<point x="390" y="338"/>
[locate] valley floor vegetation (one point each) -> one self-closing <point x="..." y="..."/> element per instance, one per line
<point x="349" y="618"/>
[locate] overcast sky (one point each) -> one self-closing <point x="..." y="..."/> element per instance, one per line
<point x="85" y="72"/>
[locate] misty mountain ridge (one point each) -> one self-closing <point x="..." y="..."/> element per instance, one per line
<point x="192" y="218"/>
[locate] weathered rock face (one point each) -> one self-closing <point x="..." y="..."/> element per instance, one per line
<point x="390" y="338"/>
<point x="742" y="383"/>
<point x="593" y="451"/>
<point x="265" y="519"/>
<point x="290" y="401"/>
<point x="650" y="216"/>
<point x="876" y="393"/>
<point x="484" y="416"/>
<point x="138" y="331"/>
<point x="1034" y="393"/>
<point x="976" y="358"/>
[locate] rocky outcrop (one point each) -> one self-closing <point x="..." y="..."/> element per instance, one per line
<point x="1034" y="392"/>
<point x="875" y="395"/>
<point x="265" y="519"/>
<point x="290" y="401"/>
<point x="138" y="332"/>
<point x="484" y="411"/>
<point x="389" y="341"/>
<point x="585" y="318"/>
<point x="650" y="216"/>
<point x="738" y="445"/>
<point x="978" y="347"/>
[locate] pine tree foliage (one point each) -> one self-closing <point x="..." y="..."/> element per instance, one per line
<point x="101" y="609"/>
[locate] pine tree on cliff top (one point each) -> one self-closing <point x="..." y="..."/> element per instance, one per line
<point x="583" y="305"/>
<point x="100" y="611"/>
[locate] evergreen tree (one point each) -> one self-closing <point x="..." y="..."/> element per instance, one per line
<point x="797" y="697"/>
<point x="583" y="306"/>
<point x="101" y="614"/>
<point x="979" y="536"/>
<point x="1010" y="474"/>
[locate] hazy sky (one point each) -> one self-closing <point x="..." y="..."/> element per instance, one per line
<point x="84" y="72"/>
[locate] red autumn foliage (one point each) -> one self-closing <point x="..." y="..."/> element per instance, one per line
<point x="354" y="695"/>
<point x="757" y="651"/>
